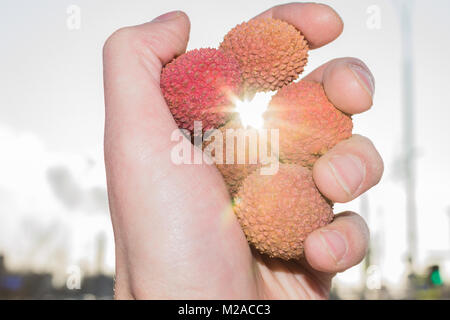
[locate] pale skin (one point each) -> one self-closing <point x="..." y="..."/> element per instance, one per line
<point x="176" y="236"/>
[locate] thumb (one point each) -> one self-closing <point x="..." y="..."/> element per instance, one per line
<point x="138" y="123"/>
<point x="133" y="58"/>
<point x="137" y="119"/>
<point x="174" y="228"/>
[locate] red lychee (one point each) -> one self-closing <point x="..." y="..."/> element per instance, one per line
<point x="270" y="52"/>
<point x="277" y="212"/>
<point x="309" y="125"/>
<point x="199" y="86"/>
<point x="242" y="146"/>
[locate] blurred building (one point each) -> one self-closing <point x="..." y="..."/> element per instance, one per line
<point x="29" y="285"/>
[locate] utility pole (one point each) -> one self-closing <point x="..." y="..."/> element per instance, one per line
<point x="405" y="8"/>
<point x="364" y="211"/>
<point x="100" y="254"/>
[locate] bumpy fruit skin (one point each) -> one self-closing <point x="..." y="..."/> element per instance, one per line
<point x="309" y="125"/>
<point x="235" y="173"/>
<point x="278" y="212"/>
<point x="270" y="52"/>
<point x="199" y="86"/>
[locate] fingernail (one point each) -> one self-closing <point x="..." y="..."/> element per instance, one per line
<point x="167" y="16"/>
<point x="349" y="172"/>
<point x="335" y="244"/>
<point x="364" y="77"/>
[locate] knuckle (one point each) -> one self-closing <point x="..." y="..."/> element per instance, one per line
<point x="376" y="161"/>
<point x="355" y="61"/>
<point x="362" y="139"/>
<point x="119" y="38"/>
<point x="357" y="224"/>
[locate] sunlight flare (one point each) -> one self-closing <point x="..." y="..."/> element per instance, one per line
<point x="251" y="111"/>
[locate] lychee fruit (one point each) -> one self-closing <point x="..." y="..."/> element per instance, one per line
<point x="277" y="212"/>
<point x="200" y="85"/>
<point x="240" y="153"/>
<point x="270" y="52"/>
<point x="308" y="123"/>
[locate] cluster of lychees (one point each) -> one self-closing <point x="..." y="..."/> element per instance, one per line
<point x="276" y="212"/>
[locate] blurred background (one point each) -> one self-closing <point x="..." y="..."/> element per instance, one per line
<point x="56" y="238"/>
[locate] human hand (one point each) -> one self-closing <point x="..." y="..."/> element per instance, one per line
<point x="175" y="232"/>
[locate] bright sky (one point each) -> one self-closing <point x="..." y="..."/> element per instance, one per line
<point x="51" y="116"/>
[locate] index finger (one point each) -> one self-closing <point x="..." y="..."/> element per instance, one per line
<point x="319" y="23"/>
